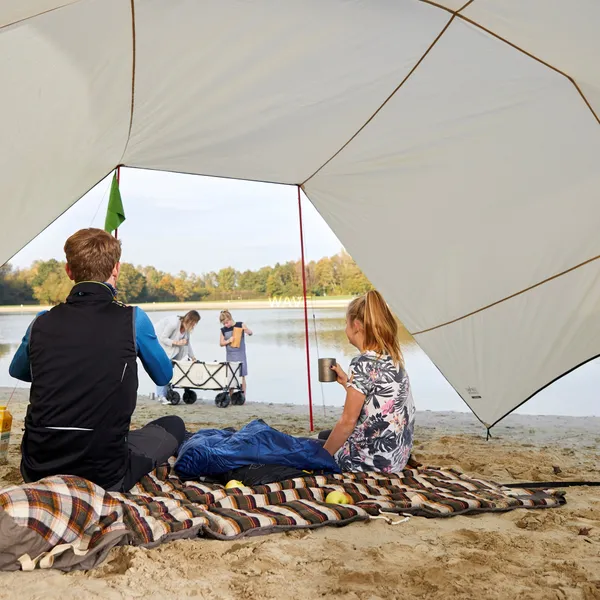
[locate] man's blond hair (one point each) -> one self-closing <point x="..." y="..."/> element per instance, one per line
<point x="92" y="254"/>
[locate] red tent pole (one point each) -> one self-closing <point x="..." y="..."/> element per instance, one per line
<point x="310" y="406"/>
<point x="118" y="181"/>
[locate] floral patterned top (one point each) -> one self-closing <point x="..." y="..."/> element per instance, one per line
<point x="383" y="437"/>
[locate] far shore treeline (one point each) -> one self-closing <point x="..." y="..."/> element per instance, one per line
<point x="46" y="282"/>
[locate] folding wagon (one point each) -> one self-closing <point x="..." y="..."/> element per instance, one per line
<point x="224" y="377"/>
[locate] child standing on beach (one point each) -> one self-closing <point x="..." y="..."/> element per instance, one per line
<point x="233" y="338"/>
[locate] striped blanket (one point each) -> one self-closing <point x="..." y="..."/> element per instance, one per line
<point x="78" y="522"/>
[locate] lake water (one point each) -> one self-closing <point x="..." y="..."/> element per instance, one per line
<point x="277" y="363"/>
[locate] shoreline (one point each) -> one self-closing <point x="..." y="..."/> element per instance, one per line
<point x="537" y="430"/>
<point x="293" y="302"/>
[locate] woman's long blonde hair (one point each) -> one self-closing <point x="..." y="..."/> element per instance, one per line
<point x="379" y="325"/>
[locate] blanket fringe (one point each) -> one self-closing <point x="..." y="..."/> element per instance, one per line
<point x="388" y="520"/>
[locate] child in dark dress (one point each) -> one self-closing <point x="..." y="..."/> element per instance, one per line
<point x="235" y="344"/>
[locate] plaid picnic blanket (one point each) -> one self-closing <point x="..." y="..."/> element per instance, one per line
<point x="161" y="507"/>
<point x="61" y="521"/>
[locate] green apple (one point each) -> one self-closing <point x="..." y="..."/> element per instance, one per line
<point x="234" y="483"/>
<point x="338" y="498"/>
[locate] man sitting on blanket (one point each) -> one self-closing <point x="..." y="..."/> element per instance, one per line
<point x="80" y="358"/>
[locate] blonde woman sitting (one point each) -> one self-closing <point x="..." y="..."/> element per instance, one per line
<point x="375" y="431"/>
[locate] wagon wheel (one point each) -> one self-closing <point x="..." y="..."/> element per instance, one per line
<point x="189" y="396"/>
<point x="173" y="397"/>
<point x="222" y="399"/>
<point x="237" y="398"/>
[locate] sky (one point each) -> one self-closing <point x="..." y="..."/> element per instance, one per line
<point x="196" y="224"/>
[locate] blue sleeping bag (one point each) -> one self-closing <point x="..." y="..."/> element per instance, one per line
<point x="215" y="451"/>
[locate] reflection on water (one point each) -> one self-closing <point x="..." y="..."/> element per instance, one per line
<point x="7" y="349"/>
<point x="335" y="338"/>
<point x="328" y="331"/>
<point x="277" y="362"/>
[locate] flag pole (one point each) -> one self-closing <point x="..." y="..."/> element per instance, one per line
<point x="119" y="183"/>
<point x="310" y="405"/>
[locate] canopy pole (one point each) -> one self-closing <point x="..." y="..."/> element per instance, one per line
<point x="119" y="184"/>
<point x="307" y="339"/>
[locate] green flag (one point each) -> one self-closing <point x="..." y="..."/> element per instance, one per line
<point x="115" y="214"/>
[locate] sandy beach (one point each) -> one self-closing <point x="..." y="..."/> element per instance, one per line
<point x="288" y="302"/>
<point x="537" y="554"/>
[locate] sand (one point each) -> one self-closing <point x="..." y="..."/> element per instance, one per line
<point x="277" y="302"/>
<point x="537" y="554"/>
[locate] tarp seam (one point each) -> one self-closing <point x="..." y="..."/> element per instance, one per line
<point x="404" y="80"/>
<point x="512" y="45"/>
<point x="523" y="291"/>
<point x="133" y="65"/>
<point x="427" y="354"/>
<point x="44" y="12"/>
<point x="195" y="174"/>
<point x="455" y="14"/>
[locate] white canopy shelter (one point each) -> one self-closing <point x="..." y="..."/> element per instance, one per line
<point x="454" y="149"/>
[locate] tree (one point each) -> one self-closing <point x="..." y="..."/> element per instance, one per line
<point x="199" y="289"/>
<point x="166" y="288"/>
<point x="14" y="286"/>
<point x="262" y="276"/>
<point x="183" y="287"/>
<point x="43" y="268"/>
<point x="352" y="279"/>
<point x="247" y="281"/>
<point x="291" y="274"/>
<point x="50" y="282"/>
<point x="311" y="279"/>
<point x="131" y="284"/>
<point x="46" y="282"/>
<point x="226" y="279"/>
<point x="325" y="275"/>
<point x="54" y="289"/>
<point x="211" y="281"/>
<point x="275" y="286"/>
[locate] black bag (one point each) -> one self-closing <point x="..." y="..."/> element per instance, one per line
<point x="251" y="475"/>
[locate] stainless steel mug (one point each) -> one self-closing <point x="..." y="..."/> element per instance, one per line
<point x="326" y="374"/>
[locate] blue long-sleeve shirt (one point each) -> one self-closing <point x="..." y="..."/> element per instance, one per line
<point x="153" y="357"/>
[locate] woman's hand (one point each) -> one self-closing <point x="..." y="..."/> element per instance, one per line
<point x="180" y="343"/>
<point x="342" y="378"/>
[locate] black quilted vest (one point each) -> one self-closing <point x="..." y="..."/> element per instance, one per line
<point x="84" y="388"/>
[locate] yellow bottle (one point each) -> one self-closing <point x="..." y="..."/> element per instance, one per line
<point x="5" y="427"/>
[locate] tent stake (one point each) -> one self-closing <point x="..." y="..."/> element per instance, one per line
<point x="310" y="406"/>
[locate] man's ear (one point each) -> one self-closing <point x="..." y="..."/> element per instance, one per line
<point x="69" y="272"/>
<point x="116" y="271"/>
